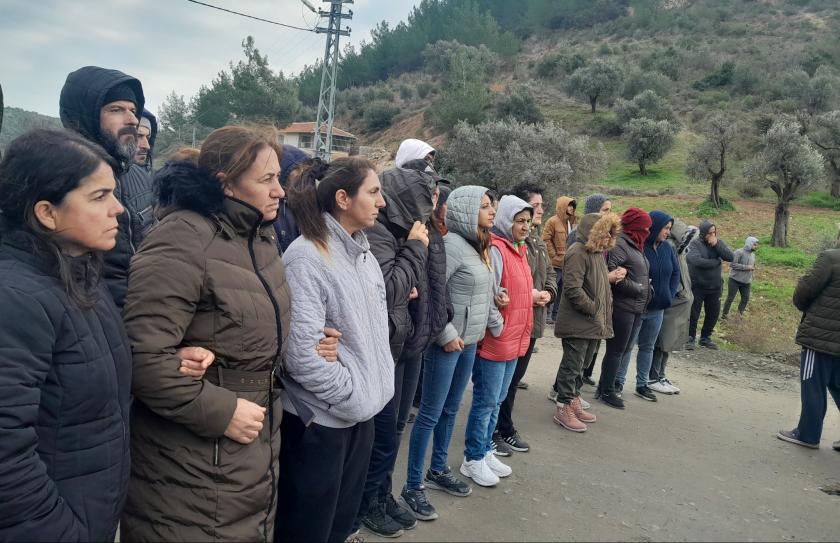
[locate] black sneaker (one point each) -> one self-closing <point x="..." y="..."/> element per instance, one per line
<point x="612" y="400"/>
<point x="444" y="480"/>
<point x="689" y="345"/>
<point x="708" y="343"/>
<point x="516" y="443"/>
<point x="792" y="436"/>
<point x="411" y="418"/>
<point x="500" y="448"/>
<point x="399" y="513"/>
<point x="379" y="522"/>
<point x="588" y="381"/>
<point x="619" y="389"/>
<point x="646" y="394"/>
<point x="417" y="501"/>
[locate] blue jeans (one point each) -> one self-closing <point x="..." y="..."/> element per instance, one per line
<point x="490" y="385"/>
<point x="646" y="338"/>
<point x="445" y="377"/>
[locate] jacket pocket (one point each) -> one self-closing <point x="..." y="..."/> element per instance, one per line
<point x="463" y="331"/>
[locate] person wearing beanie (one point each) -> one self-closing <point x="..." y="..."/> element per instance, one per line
<point x="146" y="135"/>
<point x="586" y="314"/>
<point x="597" y="203"/>
<point x="665" y="281"/>
<point x="285" y="226"/>
<point x="630" y="298"/>
<point x="741" y="276"/>
<point x="556" y="233"/>
<point x="705" y="255"/>
<point x="104" y="106"/>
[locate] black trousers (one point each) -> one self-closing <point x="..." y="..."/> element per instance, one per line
<point x="658" y="364"/>
<point x="818" y="372"/>
<point x="322" y="474"/>
<point x="505" y="423"/>
<point x="591" y="367"/>
<point x="710" y="300"/>
<point x="389" y="425"/>
<point x="734" y="288"/>
<point x="625" y="326"/>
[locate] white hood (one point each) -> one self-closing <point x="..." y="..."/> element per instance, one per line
<point x="412" y="150"/>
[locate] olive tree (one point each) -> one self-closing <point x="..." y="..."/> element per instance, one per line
<point x="824" y="132"/>
<point x="648" y="141"/>
<point x="790" y="165"/>
<point x="597" y="81"/>
<point x="707" y="159"/>
<point x="648" y="105"/>
<point x="499" y="154"/>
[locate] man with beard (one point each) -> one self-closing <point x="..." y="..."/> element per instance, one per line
<point x="146" y="134"/>
<point x="104" y="106"/>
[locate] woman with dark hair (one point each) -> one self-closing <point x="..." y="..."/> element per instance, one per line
<point x="65" y="363"/>
<point x="205" y="452"/>
<point x="327" y="428"/>
<point x="447" y="364"/>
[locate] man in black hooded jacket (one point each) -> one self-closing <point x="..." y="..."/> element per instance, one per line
<point x="104" y="106"/>
<point x="146" y="135"/>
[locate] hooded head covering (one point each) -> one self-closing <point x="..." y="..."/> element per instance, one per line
<point x="635" y="223"/>
<point x="292" y="156"/>
<point x="462" y="211"/>
<point x="412" y="149"/>
<point x="408" y="195"/>
<point x="509" y="207"/>
<point x="658" y="221"/>
<point x="705" y="226"/>
<point x="148" y="120"/>
<point x="594" y="202"/>
<point x="84" y="94"/>
<point x="560" y="208"/>
<point x="594" y="225"/>
<point x="682" y="234"/>
<point x="750" y="242"/>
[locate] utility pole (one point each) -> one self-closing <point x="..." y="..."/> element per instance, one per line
<point x="326" y="98"/>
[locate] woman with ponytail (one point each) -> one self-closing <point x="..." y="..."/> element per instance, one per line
<point x="448" y="363"/>
<point x="327" y="429"/>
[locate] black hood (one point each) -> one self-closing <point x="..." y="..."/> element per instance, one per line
<point x="408" y="195"/>
<point x="152" y="136"/>
<point x="83" y="96"/>
<point x="184" y="185"/>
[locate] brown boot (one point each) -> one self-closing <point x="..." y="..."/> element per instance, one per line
<point x="565" y="417"/>
<point x="580" y="412"/>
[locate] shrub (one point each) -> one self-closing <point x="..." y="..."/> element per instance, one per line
<point x="719" y="78"/>
<point x="637" y="81"/>
<point x="424" y="88"/>
<point x="750" y="191"/>
<point x="605" y="126"/>
<point x="556" y="64"/>
<point x="648" y="104"/>
<point x="707" y="208"/>
<point x="519" y="105"/>
<point x="379" y="114"/>
<point x="823" y="200"/>
<point x="406" y="92"/>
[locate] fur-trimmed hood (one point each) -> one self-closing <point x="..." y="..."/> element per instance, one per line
<point x="592" y="229"/>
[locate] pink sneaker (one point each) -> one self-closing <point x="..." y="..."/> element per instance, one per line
<point x="580" y="412"/>
<point x="565" y="417"/>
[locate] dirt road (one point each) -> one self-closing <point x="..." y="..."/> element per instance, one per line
<point x="701" y="466"/>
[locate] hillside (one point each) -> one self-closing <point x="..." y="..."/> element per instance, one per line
<point x="16" y="121"/>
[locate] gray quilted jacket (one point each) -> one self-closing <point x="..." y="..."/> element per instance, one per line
<point x="468" y="278"/>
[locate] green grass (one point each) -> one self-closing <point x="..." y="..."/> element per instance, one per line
<point x="822" y="199"/>
<point x="707" y="209"/>
<point x="789" y="257"/>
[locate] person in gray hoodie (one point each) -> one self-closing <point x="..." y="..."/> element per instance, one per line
<point x="741" y="276"/>
<point x="448" y="364"/>
<point x="327" y="429"/>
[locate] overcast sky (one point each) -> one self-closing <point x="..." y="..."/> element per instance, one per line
<point x="167" y="44"/>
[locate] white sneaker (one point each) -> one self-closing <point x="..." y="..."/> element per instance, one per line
<point x="584" y="404"/>
<point x="552" y="395"/>
<point x="675" y="389"/>
<point x="660" y="387"/>
<point x="497" y="466"/>
<point x="480" y="472"/>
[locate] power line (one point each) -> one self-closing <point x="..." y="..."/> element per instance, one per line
<point x="251" y="16"/>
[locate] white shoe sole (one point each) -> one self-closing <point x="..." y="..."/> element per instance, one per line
<point x="487" y="484"/>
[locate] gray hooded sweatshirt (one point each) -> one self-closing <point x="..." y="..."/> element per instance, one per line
<point x="341" y="289"/>
<point x="742" y="261"/>
<point x="468" y="279"/>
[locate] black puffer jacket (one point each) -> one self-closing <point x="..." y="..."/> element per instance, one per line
<point x="65" y="398"/>
<point x="150" y="166"/>
<point x="634" y="292"/>
<point x="704" y="261"/>
<point x="408" y="194"/>
<point x="82" y="99"/>
<point x="818" y="297"/>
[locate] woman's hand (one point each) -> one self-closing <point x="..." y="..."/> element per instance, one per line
<point x="413" y="295"/>
<point x="617" y="275"/>
<point x="327" y="348"/>
<point x="247" y="422"/>
<point x="502" y="299"/>
<point x="456" y="344"/>
<point x="194" y="361"/>
<point x="420" y="233"/>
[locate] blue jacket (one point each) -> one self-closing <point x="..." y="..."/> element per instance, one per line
<point x="65" y="398"/>
<point x="664" y="268"/>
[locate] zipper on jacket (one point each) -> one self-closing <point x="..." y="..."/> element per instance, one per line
<point x="216" y="452"/>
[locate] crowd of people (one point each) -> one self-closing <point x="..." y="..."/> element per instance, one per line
<point x="228" y="347"/>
